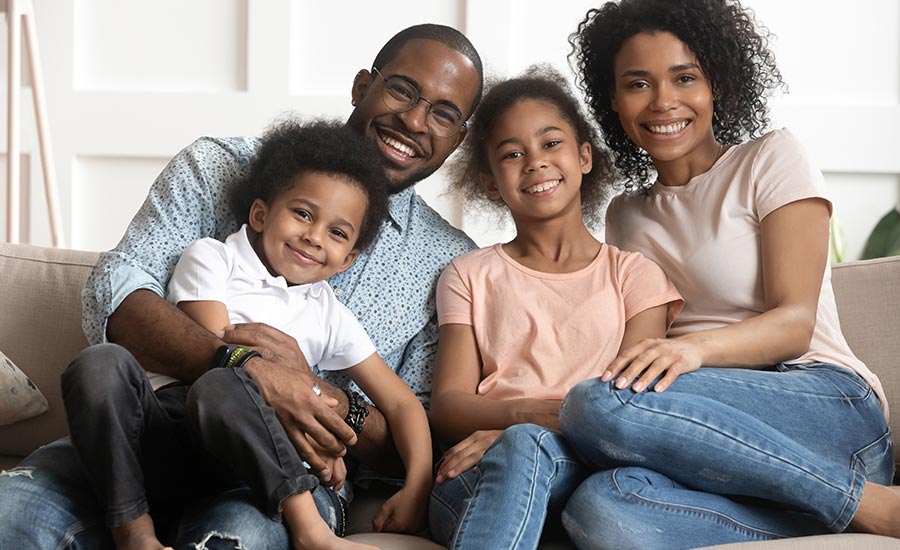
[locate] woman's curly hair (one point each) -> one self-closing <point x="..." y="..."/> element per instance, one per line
<point x="540" y="83"/>
<point x="732" y="49"/>
<point x="291" y="147"/>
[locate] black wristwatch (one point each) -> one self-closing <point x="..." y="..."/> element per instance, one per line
<point x="356" y="412"/>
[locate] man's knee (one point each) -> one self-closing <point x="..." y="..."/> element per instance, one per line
<point x="102" y="365"/>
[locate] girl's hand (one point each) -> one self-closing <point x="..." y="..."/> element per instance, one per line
<point x="650" y="358"/>
<point x="465" y="454"/>
<point x="405" y="512"/>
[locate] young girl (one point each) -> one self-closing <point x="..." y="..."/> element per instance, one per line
<point x="790" y="437"/>
<point x="314" y="198"/>
<point x="522" y="322"/>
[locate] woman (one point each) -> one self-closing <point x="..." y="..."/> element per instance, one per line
<point x="782" y="432"/>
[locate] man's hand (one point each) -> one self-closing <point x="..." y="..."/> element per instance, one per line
<point x="286" y="383"/>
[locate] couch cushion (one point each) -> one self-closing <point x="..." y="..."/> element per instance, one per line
<point x="20" y="399"/>
<point x="868" y="301"/>
<point x="40" y="327"/>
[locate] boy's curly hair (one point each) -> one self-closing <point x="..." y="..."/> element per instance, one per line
<point x="290" y="147"/>
<point x="732" y="49"/>
<point x="540" y="83"/>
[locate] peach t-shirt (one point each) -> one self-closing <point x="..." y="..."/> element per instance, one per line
<point x="705" y="236"/>
<point x="538" y="333"/>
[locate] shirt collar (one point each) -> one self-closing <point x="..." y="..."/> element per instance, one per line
<point x="400" y="206"/>
<point x="248" y="262"/>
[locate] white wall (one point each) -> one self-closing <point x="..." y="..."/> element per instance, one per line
<point x="131" y="82"/>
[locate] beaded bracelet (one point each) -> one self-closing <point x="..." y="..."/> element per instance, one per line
<point x="356" y="412"/>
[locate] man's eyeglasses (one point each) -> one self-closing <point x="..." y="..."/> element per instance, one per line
<point x="401" y="96"/>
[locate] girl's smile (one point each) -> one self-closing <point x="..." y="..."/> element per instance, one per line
<point x="536" y="161"/>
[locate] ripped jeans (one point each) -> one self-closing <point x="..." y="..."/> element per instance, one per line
<point x="56" y="498"/>
<point x="724" y="456"/>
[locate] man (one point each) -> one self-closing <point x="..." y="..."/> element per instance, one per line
<point x="423" y="85"/>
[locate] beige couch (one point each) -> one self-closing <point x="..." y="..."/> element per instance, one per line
<point x="40" y="330"/>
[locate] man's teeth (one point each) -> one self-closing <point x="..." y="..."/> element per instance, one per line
<point x="545" y="186"/>
<point x="403" y="148"/>
<point x="673" y="128"/>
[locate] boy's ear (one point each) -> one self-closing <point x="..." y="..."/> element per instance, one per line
<point x="348" y="261"/>
<point x="489" y="184"/>
<point x="586" y="157"/>
<point x="361" y="83"/>
<point x="257" y="218"/>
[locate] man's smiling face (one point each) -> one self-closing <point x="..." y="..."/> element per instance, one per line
<point x="441" y="75"/>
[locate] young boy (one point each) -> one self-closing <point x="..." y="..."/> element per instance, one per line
<point x="314" y="198"/>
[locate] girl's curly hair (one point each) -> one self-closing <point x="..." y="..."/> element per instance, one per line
<point x="732" y="49"/>
<point x="541" y="83"/>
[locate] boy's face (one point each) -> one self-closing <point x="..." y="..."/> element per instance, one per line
<point x="308" y="232"/>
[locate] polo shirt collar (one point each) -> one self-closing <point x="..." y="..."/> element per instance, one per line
<point x="248" y="262"/>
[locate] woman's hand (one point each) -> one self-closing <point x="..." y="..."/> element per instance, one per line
<point x="638" y="365"/>
<point x="465" y="454"/>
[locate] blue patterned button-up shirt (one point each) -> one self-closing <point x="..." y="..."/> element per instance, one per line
<point x="390" y="288"/>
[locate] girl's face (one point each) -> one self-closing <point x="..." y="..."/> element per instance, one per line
<point x="536" y="161"/>
<point x="308" y="232"/>
<point x="663" y="98"/>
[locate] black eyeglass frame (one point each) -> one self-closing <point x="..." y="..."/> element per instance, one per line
<point x="387" y="98"/>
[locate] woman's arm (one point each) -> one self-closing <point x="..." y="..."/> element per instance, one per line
<point x="457" y="411"/>
<point x="794" y="242"/>
<point x="405" y="511"/>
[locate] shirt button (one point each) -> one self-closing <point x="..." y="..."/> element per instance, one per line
<point x="338" y="292"/>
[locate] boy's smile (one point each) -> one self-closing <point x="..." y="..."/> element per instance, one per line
<point x="309" y="231"/>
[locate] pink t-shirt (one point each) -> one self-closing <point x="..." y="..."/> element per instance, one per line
<point x="705" y="236"/>
<point x="539" y="334"/>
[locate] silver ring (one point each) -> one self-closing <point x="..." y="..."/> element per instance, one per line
<point x="316" y="389"/>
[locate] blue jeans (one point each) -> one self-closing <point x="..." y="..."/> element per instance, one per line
<point x="723" y="456"/>
<point x="504" y="501"/>
<point x="135" y="452"/>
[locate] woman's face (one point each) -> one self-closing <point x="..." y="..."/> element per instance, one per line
<point x="663" y="98"/>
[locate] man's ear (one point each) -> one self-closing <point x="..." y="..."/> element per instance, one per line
<point x="489" y="184"/>
<point x="348" y="261"/>
<point x="586" y="157"/>
<point x="361" y="83"/>
<point x="257" y="218"/>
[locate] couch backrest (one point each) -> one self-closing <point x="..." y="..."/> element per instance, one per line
<point x="40" y="326"/>
<point x="40" y="330"/>
<point x="868" y="300"/>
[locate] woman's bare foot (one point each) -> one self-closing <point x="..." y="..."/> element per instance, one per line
<point x="879" y="511"/>
<point x="137" y="535"/>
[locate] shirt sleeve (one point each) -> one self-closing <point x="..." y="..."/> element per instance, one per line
<point x="454" y="298"/>
<point x="783" y="173"/>
<point x="645" y="285"/>
<point x="348" y="344"/>
<point x="201" y="273"/>
<point x="188" y="201"/>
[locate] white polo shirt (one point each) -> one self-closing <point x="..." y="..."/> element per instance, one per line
<point x="328" y="334"/>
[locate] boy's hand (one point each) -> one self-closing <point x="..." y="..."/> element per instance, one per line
<point x="405" y="512"/>
<point x="465" y="454"/>
<point x="335" y="472"/>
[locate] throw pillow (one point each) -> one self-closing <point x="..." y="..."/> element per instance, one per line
<point x="19" y="397"/>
